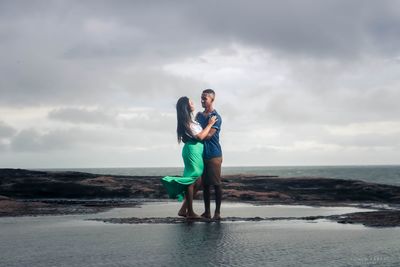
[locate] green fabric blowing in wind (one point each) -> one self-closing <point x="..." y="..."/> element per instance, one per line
<point x="192" y="154"/>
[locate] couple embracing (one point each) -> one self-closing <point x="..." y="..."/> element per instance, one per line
<point x="202" y="156"/>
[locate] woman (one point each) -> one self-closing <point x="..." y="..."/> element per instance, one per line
<point x="190" y="133"/>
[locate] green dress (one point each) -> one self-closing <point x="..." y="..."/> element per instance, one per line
<point x="192" y="153"/>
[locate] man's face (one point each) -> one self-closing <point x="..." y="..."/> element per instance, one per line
<point x="206" y="100"/>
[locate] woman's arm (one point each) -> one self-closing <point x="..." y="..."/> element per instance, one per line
<point x="203" y="134"/>
<point x="210" y="133"/>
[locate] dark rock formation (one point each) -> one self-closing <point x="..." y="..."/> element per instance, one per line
<point x="38" y="184"/>
<point x="17" y="183"/>
<point x="306" y="190"/>
<point x="383" y="218"/>
<point x="25" y="192"/>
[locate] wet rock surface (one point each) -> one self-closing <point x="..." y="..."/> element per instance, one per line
<point x="384" y="218"/>
<point x="387" y="218"/>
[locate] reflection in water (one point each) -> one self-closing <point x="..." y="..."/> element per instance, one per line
<point x="69" y="241"/>
<point x="199" y="244"/>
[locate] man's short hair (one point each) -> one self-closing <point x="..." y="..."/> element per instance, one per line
<point x="209" y="91"/>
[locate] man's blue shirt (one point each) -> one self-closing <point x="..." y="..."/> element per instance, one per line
<point x="212" y="148"/>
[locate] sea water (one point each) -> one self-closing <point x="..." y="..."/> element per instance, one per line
<point x="386" y="174"/>
<point x="73" y="240"/>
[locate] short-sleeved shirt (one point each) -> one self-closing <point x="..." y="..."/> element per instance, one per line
<point x="212" y="147"/>
<point x="194" y="129"/>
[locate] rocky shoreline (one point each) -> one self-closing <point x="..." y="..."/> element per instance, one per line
<point x="33" y="193"/>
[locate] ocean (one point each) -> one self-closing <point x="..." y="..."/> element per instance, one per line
<point x="386" y="174"/>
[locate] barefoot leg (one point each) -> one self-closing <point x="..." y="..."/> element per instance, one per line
<point x="218" y="199"/>
<point x="189" y="199"/>
<point x="217" y="216"/>
<point x="206" y="197"/>
<point x="198" y="185"/>
<point x="183" y="210"/>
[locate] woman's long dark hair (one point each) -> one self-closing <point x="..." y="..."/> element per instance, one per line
<point x="184" y="116"/>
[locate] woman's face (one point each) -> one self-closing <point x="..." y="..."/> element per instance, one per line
<point x="191" y="105"/>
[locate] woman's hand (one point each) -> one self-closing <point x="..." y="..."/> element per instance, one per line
<point x="212" y="120"/>
<point x="204" y="134"/>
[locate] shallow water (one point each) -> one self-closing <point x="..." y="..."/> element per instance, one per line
<point x="73" y="241"/>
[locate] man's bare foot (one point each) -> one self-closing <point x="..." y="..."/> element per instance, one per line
<point x="217" y="217"/>
<point x="206" y="215"/>
<point x="192" y="216"/>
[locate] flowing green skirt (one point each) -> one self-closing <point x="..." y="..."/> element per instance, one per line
<point x="192" y="153"/>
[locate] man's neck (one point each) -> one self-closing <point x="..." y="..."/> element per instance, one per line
<point x="208" y="110"/>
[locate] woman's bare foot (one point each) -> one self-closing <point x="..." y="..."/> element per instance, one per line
<point x="206" y="215"/>
<point x="182" y="213"/>
<point x="217" y="217"/>
<point x="192" y="216"/>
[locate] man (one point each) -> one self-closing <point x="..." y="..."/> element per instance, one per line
<point x="212" y="155"/>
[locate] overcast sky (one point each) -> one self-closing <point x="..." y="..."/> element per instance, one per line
<point x="95" y="83"/>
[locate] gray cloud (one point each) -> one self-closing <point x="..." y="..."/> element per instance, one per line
<point x="145" y="120"/>
<point x="6" y="130"/>
<point x="151" y="121"/>
<point x="328" y="63"/>
<point x="30" y="140"/>
<point x="3" y="147"/>
<point x="310" y="28"/>
<point x="365" y="140"/>
<point x="82" y="115"/>
<point x="34" y="140"/>
<point x="137" y="28"/>
<point x="83" y="138"/>
<point x="372" y="106"/>
<point x="75" y="52"/>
